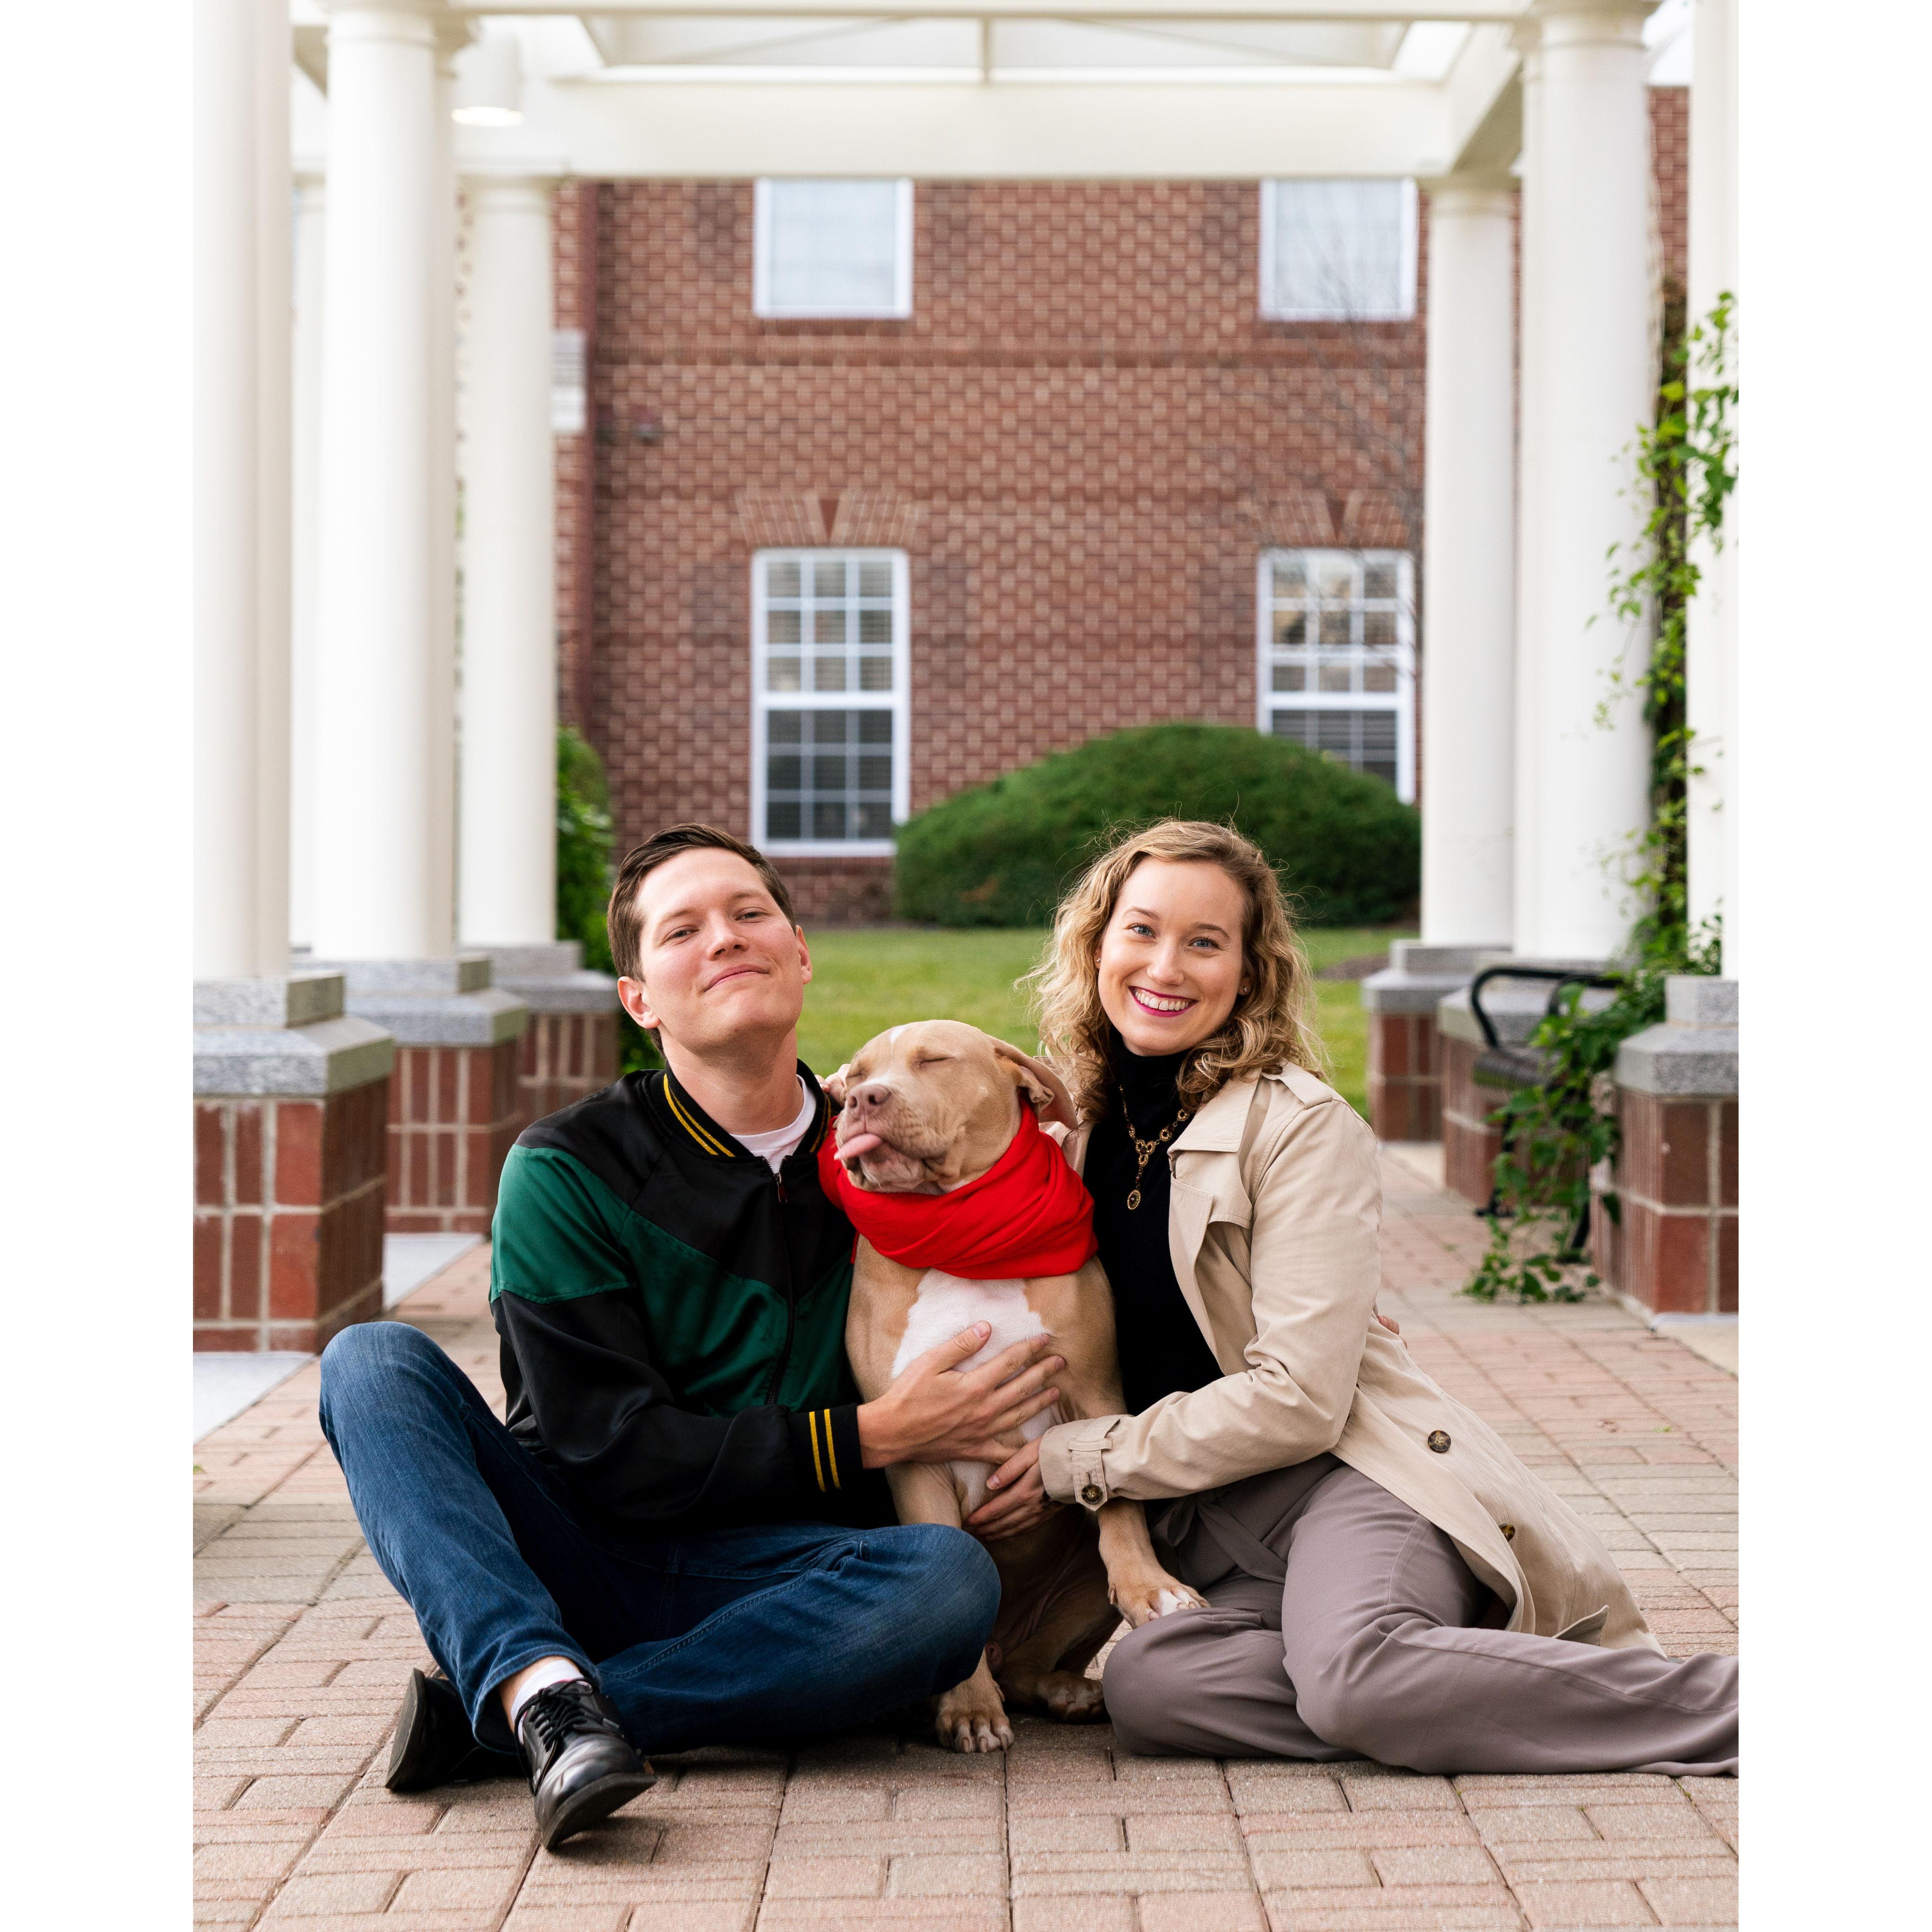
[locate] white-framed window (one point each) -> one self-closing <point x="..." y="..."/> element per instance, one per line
<point x="1338" y="250"/>
<point x="1336" y="657"/>
<point x="832" y="248"/>
<point x="829" y="719"/>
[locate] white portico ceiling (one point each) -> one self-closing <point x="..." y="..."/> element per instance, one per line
<point x="1084" y="89"/>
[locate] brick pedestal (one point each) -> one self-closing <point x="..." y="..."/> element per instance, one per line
<point x="1673" y="1249"/>
<point x="1405" y="1061"/>
<point x="291" y="1101"/>
<point x="455" y="1109"/>
<point x="569" y="1050"/>
<point x="1470" y="1144"/>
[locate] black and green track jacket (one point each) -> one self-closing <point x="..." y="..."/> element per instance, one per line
<point x="672" y="1316"/>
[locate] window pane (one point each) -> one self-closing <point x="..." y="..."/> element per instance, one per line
<point x="782" y="819"/>
<point x="1336" y="577"/>
<point x="875" y="579"/>
<point x="782" y="627"/>
<point x="828" y="771"/>
<point x="1335" y="627"/>
<point x="875" y="772"/>
<point x="875" y="627"/>
<point x="828" y="673"/>
<point x="828" y="577"/>
<point x="833" y="247"/>
<point x="781" y="674"/>
<point x="1379" y="677"/>
<point x="1335" y="676"/>
<point x="1340" y="251"/>
<point x="1364" y="740"/>
<point x="1290" y="627"/>
<point x="1291" y="577"/>
<point x="875" y="821"/>
<point x="1291" y="677"/>
<point x="875" y="673"/>
<point x="1379" y="577"/>
<point x="784" y="772"/>
<point x="875" y="727"/>
<point x="828" y="818"/>
<point x="1378" y="628"/>
<point x="828" y="627"/>
<point x="781" y="580"/>
<point x="783" y="727"/>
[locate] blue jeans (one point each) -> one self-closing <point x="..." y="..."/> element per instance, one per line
<point x="767" y="1631"/>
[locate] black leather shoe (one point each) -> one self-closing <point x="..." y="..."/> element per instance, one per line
<point x="582" y="1766"/>
<point x="434" y="1745"/>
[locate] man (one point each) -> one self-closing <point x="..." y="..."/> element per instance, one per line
<point x="675" y="1539"/>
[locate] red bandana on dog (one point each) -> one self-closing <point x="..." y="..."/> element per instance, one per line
<point x="1028" y="1214"/>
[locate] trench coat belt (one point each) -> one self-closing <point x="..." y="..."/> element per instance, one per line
<point x="1240" y="1546"/>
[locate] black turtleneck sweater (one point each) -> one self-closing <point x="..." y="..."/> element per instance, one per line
<point x="1161" y="1347"/>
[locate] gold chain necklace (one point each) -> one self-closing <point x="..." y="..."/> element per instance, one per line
<point x="1145" y="1151"/>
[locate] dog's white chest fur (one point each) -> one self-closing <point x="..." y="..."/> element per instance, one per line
<point x="946" y="1303"/>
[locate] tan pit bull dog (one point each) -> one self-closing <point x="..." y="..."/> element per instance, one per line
<point x="926" y="1109"/>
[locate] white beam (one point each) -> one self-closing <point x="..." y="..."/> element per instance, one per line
<point x="1100" y="11"/>
<point x="945" y="131"/>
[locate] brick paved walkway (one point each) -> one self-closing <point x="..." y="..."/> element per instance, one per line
<point x="302" y="1651"/>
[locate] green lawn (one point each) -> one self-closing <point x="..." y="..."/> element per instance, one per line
<point x="865" y="981"/>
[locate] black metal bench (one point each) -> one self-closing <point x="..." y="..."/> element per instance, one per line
<point x="1514" y="1068"/>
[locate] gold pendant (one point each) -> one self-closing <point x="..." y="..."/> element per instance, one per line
<point x="1133" y="1198"/>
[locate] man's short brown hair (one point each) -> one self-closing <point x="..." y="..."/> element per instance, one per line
<point x="624" y="923"/>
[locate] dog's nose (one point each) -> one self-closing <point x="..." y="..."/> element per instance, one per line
<point x="874" y="1096"/>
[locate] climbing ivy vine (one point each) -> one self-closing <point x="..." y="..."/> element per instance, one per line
<point x="1685" y="466"/>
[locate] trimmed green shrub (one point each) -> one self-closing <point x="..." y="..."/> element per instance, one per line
<point x="586" y="870"/>
<point x="584" y="866"/>
<point x="1347" y="850"/>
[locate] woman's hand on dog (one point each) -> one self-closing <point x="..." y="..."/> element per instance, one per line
<point x="935" y="1411"/>
<point x="1018" y="1500"/>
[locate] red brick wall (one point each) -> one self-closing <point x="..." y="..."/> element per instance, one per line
<point x="1670" y="159"/>
<point x="1082" y="437"/>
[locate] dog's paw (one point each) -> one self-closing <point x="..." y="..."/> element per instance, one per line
<point x="1075" y="1700"/>
<point x="967" y="1720"/>
<point x="1157" y="1596"/>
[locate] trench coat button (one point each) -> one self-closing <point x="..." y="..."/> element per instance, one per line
<point x="1509" y="1531"/>
<point x="1438" y="1440"/>
<point x="1090" y="1492"/>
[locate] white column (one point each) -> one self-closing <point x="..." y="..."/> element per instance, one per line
<point x="508" y="835"/>
<point x="1532" y="335"/>
<point x="274" y="61"/>
<point x="1468" y="708"/>
<point x="443" y="620"/>
<point x="240" y="531"/>
<point x="309" y="260"/>
<point x="377" y="703"/>
<point x="1589" y="382"/>
<point x="1712" y="645"/>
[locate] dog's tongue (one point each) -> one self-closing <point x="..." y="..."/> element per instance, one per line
<point x="851" y="1149"/>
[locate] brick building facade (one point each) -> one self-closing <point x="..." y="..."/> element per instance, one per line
<point x="1083" y="438"/>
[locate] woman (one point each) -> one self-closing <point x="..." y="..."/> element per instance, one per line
<point x="1385" y="1577"/>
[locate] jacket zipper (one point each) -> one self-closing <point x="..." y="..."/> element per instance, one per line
<point x="790" y="1295"/>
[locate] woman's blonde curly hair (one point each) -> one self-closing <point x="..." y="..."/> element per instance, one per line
<point x="1269" y="1024"/>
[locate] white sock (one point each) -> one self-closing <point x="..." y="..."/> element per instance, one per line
<point x="559" y="1670"/>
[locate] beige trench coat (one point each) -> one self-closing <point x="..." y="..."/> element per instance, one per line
<point x="1273" y="1231"/>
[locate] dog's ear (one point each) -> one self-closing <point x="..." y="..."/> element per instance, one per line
<point x="1033" y="1091"/>
<point x="1045" y="1092"/>
<point x="834" y="1085"/>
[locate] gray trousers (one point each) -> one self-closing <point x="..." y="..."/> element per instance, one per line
<point x="1343" y="1625"/>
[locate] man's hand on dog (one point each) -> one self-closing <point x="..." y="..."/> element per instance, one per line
<point x="936" y="1412"/>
